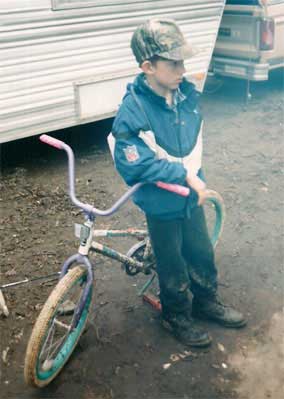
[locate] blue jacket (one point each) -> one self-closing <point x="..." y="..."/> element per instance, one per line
<point x="158" y="142"/>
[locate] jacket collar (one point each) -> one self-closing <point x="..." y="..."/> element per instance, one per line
<point x="185" y="90"/>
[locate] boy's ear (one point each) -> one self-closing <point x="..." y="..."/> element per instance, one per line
<point x="147" y="67"/>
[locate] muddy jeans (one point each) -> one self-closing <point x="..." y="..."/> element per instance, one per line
<point x="185" y="259"/>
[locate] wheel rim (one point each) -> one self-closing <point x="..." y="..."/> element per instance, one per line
<point x="46" y="368"/>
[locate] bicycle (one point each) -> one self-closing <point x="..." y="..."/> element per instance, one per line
<point x="64" y="315"/>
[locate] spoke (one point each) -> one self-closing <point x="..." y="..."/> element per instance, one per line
<point x="54" y="346"/>
<point x="52" y="335"/>
<point x="52" y="343"/>
<point x="44" y="345"/>
<point x="63" y="325"/>
<point x="58" y="345"/>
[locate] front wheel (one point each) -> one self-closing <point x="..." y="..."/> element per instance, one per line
<point x="53" y="340"/>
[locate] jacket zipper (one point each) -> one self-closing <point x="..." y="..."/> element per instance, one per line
<point x="177" y="120"/>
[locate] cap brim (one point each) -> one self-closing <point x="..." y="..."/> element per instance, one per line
<point x="180" y="53"/>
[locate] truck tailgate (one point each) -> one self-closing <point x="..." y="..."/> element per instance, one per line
<point x="238" y="35"/>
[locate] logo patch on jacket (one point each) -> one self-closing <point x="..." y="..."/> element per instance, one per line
<point x="131" y="153"/>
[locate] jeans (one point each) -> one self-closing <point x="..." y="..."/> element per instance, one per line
<point x="185" y="260"/>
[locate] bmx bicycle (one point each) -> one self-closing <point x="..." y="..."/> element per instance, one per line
<point x="64" y="315"/>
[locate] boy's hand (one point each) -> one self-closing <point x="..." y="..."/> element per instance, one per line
<point x="202" y="195"/>
<point x="199" y="186"/>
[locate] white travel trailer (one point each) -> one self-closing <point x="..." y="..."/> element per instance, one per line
<point x="67" y="62"/>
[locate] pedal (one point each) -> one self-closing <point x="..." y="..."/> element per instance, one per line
<point x="153" y="301"/>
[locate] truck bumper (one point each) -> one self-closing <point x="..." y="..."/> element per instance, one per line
<point x="241" y="69"/>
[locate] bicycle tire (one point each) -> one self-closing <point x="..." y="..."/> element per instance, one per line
<point x="217" y="201"/>
<point x="33" y="376"/>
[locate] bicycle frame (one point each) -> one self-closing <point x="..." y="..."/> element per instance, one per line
<point x="86" y="233"/>
<point x="103" y="249"/>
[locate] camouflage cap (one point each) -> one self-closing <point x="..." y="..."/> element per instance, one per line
<point x="160" y="37"/>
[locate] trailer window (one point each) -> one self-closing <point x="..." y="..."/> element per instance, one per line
<point x="254" y="2"/>
<point x="243" y="2"/>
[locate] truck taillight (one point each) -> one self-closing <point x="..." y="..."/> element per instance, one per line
<point x="266" y="34"/>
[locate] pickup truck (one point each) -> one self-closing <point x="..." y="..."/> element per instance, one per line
<point x="250" y="40"/>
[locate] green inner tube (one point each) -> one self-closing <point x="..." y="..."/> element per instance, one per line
<point x="67" y="347"/>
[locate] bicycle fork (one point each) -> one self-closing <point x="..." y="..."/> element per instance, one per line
<point x="81" y="258"/>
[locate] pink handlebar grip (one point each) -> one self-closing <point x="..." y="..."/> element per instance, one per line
<point x="51" y="141"/>
<point x="175" y="188"/>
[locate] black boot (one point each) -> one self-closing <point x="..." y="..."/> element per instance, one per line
<point x="185" y="330"/>
<point x="213" y="309"/>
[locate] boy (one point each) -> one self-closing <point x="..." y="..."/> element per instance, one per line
<point x="158" y="137"/>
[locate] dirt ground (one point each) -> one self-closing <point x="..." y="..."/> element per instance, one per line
<point x="121" y="356"/>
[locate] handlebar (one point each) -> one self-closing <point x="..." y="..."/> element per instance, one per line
<point x="176" y="188"/>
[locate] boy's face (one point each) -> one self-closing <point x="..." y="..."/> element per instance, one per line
<point x="165" y="73"/>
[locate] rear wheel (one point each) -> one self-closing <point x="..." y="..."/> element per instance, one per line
<point x="215" y="214"/>
<point x="52" y="340"/>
